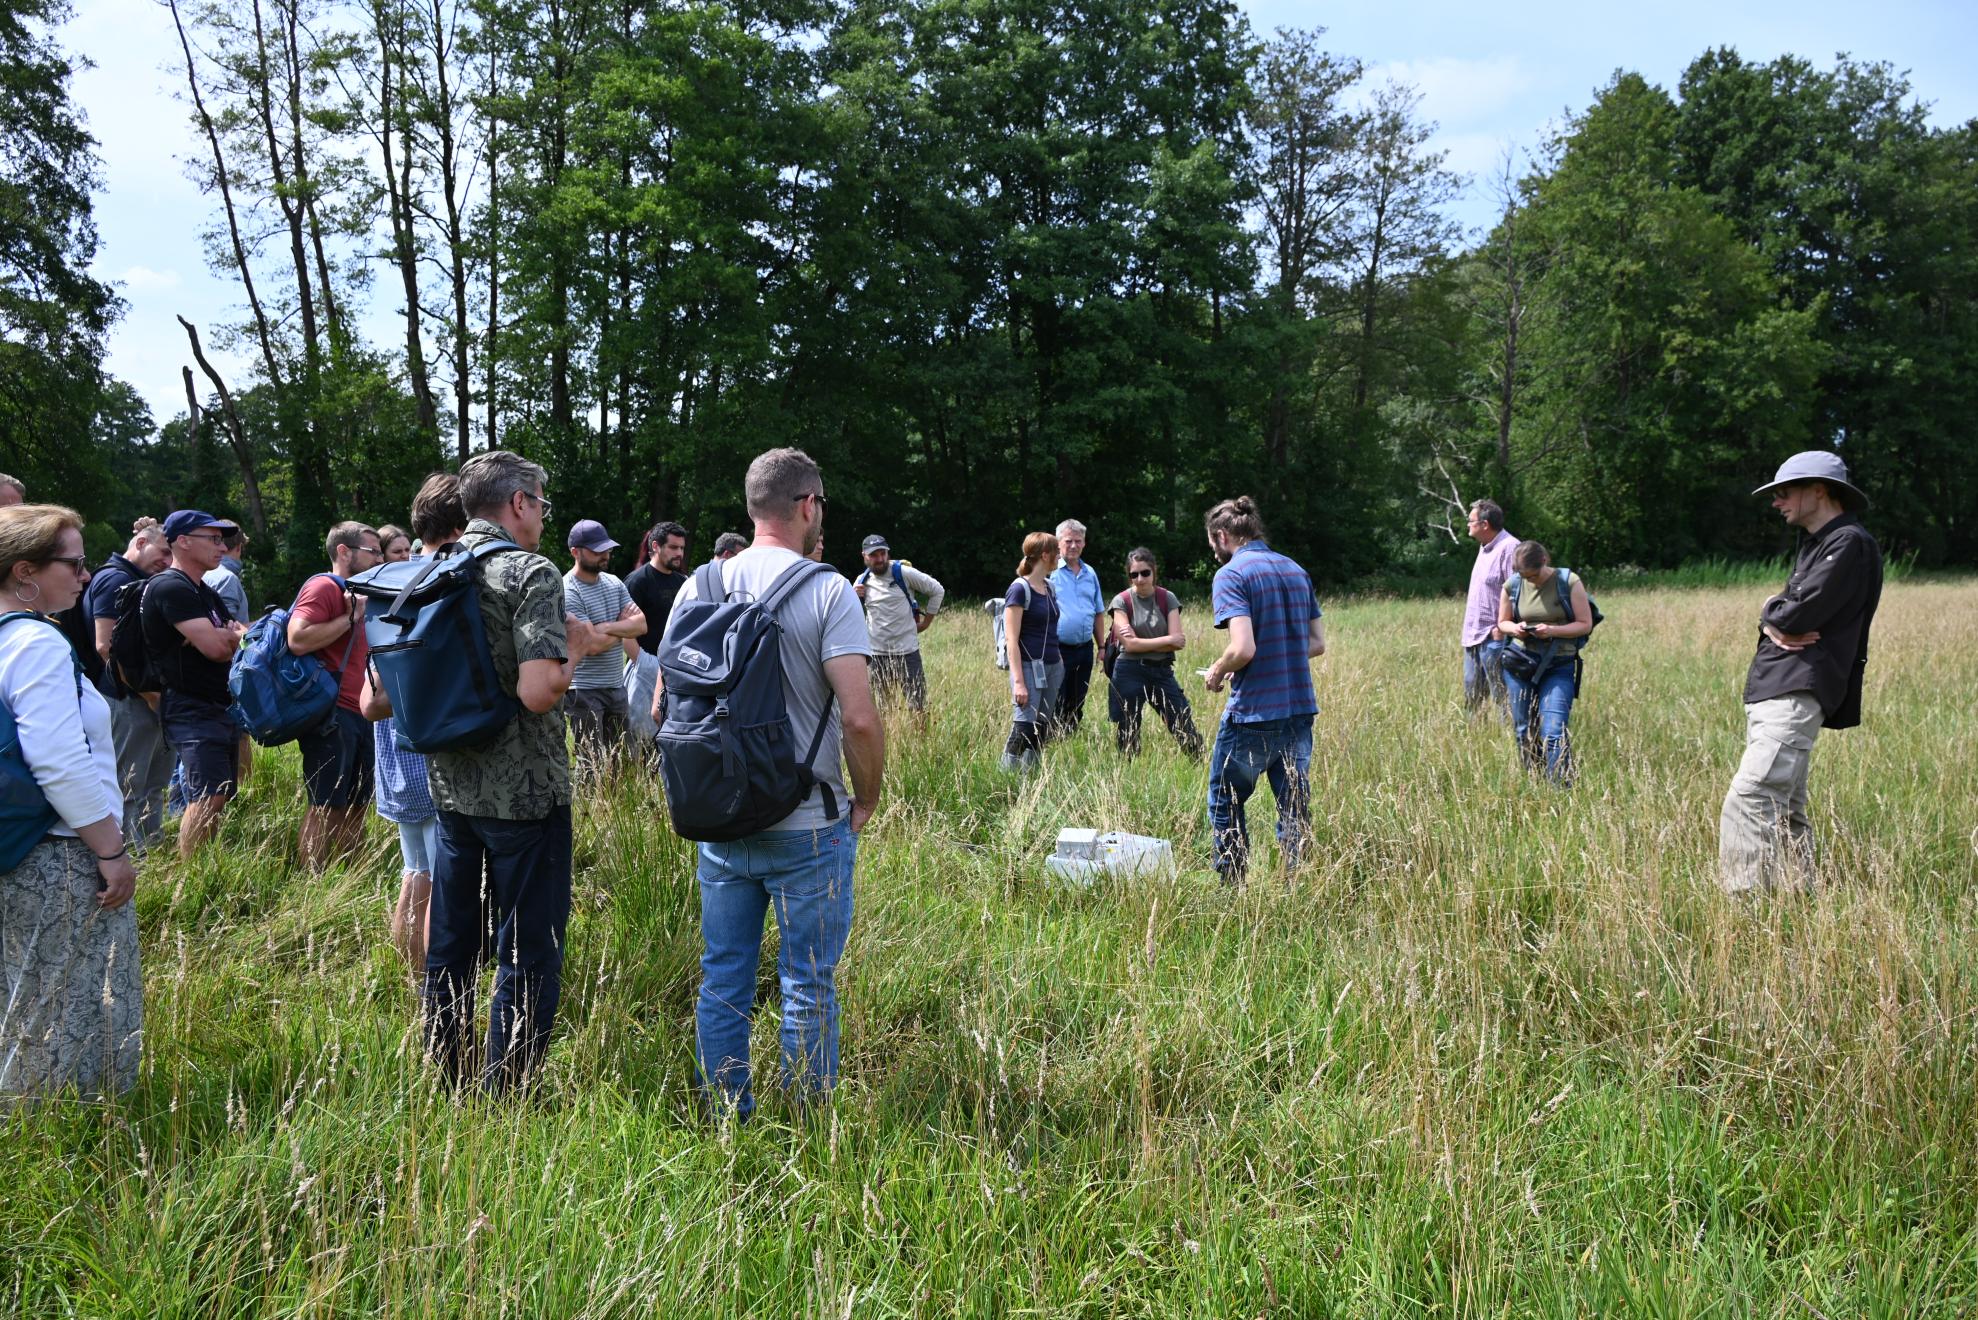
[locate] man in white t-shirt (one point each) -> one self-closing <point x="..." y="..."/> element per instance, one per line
<point x="802" y="866"/>
<point x="595" y="703"/>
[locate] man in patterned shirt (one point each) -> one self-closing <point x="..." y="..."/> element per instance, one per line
<point x="1267" y="604"/>
<point x="504" y="806"/>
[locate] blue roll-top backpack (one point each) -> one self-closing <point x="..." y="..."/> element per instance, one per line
<point x="278" y="695"/>
<point x="727" y="752"/>
<point x="430" y="648"/>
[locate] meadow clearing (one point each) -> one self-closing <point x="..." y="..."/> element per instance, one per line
<point x="1495" y="1050"/>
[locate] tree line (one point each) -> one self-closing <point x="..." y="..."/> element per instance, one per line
<point x="997" y="262"/>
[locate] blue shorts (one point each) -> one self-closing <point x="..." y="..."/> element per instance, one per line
<point x="207" y="742"/>
<point x="337" y="761"/>
<point x="418" y="844"/>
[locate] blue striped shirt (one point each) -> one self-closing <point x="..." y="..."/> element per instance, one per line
<point x="1277" y="597"/>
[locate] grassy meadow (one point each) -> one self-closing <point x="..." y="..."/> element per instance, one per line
<point x="1496" y="1050"/>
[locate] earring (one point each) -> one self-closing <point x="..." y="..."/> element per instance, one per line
<point x="27" y="600"/>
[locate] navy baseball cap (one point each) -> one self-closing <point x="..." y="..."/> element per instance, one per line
<point x="193" y="520"/>
<point x="590" y="535"/>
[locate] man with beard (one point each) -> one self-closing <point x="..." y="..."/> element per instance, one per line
<point x="653" y="585"/>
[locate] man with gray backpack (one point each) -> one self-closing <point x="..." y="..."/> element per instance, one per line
<point x="765" y="679"/>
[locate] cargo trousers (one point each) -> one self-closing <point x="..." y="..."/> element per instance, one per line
<point x="1764" y="838"/>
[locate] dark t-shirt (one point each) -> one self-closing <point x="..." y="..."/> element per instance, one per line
<point x="653" y="592"/>
<point x="170" y="599"/>
<point x="99" y="601"/>
<point x="1038" y="638"/>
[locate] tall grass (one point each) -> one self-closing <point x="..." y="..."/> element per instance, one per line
<point x="1495" y="1050"/>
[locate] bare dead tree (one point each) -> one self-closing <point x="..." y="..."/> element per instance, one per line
<point x="221" y="181"/>
<point x="236" y="433"/>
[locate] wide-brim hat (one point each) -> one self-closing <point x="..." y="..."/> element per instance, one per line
<point x="1818" y="465"/>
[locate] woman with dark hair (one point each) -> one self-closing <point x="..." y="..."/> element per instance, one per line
<point x="1030" y="642"/>
<point x="395" y="544"/>
<point x="1147" y="631"/>
<point x="71" y="999"/>
<point x="1545" y="613"/>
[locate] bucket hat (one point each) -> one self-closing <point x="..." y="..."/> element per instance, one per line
<point x="1818" y="465"/>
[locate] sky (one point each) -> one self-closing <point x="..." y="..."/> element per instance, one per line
<point x="1492" y="77"/>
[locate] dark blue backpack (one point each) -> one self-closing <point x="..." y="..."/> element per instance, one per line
<point x="899" y="580"/>
<point x="25" y="815"/>
<point x="278" y="695"/>
<point x="430" y="649"/>
<point x="727" y="751"/>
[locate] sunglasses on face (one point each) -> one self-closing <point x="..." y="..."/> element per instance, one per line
<point x="79" y="563"/>
<point x="1138" y="573"/>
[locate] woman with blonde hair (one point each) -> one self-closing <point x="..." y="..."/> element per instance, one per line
<point x="71" y="1009"/>
<point x="1030" y="648"/>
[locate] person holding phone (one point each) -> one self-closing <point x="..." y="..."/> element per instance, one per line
<point x="1545" y="614"/>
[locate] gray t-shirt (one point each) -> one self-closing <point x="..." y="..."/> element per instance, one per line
<point x="601" y="601"/>
<point x="821" y="620"/>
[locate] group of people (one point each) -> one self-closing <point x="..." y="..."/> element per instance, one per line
<point x="98" y="716"/>
<point x="1526" y="620"/>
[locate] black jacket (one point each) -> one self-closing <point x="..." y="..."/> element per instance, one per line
<point x="1835" y="587"/>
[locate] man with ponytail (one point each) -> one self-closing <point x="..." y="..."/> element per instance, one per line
<point x="1266" y="603"/>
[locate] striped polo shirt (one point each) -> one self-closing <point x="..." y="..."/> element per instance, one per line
<point x="1277" y="597"/>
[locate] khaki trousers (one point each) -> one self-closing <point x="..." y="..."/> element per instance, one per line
<point x="1763" y="837"/>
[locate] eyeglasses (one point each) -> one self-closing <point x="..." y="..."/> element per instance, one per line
<point x="539" y="500"/>
<point x="1138" y="573"/>
<point x="817" y="495"/>
<point x="214" y="537"/>
<point x="80" y="563"/>
<point x="367" y="550"/>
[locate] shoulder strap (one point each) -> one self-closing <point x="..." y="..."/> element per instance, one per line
<point x="1168" y="603"/>
<point x="787" y="581"/>
<point x="1565" y="577"/>
<point x="707" y="583"/>
<point x="1516" y="585"/>
<point x="1025" y="584"/>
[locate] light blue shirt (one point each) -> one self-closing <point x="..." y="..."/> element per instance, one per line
<point x="1079" y="602"/>
<point x="225" y="581"/>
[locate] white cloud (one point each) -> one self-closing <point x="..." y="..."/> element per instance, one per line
<point x="145" y="279"/>
<point x="1457" y="93"/>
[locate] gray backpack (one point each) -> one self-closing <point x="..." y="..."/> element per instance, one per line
<point x="995" y="608"/>
<point x="729" y="757"/>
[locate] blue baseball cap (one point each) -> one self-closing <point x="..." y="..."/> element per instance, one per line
<point x="589" y="534"/>
<point x="193" y="520"/>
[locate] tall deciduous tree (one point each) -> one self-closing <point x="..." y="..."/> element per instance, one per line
<point x="53" y="313"/>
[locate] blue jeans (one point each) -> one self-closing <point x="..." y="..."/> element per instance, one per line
<point x="1544" y="739"/>
<point x="1483" y="672"/>
<point x="519" y="915"/>
<point x="1243" y="753"/>
<point x="806" y="876"/>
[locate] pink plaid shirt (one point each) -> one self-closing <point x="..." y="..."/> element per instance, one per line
<point x="1487" y="578"/>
